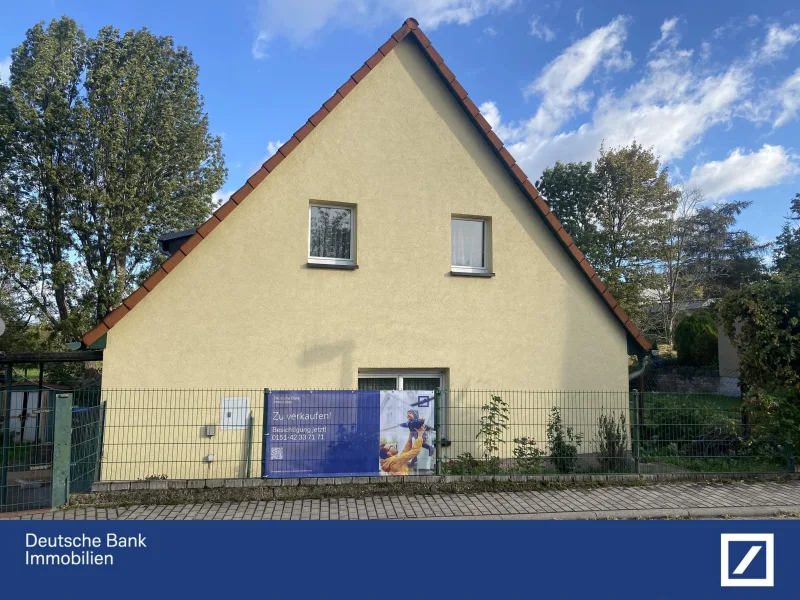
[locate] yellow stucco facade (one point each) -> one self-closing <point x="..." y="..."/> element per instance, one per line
<point x="244" y="311"/>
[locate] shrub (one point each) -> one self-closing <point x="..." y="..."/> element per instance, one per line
<point x="463" y="464"/>
<point x="494" y="422"/>
<point x="612" y="435"/>
<point x="528" y="455"/>
<point x="763" y="321"/>
<point x="563" y="443"/>
<point x="696" y="340"/>
<point x="690" y="428"/>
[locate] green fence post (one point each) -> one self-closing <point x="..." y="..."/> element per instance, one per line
<point x="250" y="444"/>
<point x="437" y="406"/>
<point x="6" y="436"/>
<point x="789" y="453"/>
<point x="635" y="429"/>
<point x="62" y="442"/>
<point x="264" y="433"/>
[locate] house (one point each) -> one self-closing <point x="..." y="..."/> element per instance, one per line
<point x="30" y="412"/>
<point x="391" y="243"/>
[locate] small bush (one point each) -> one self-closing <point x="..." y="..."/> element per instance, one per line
<point x="494" y="422"/>
<point x="528" y="455"/>
<point x="563" y="443"/>
<point x="612" y="434"/>
<point x="696" y="340"/>
<point x="466" y="464"/>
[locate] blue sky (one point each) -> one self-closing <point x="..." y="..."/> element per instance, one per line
<point x="713" y="87"/>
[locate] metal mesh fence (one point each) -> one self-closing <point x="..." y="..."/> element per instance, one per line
<point x="533" y="432"/>
<point x="26" y="436"/>
<point x="219" y="434"/>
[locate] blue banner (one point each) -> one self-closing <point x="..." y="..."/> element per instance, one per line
<point x="470" y="559"/>
<point x="341" y="433"/>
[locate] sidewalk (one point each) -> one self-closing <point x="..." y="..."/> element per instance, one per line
<point x="675" y="500"/>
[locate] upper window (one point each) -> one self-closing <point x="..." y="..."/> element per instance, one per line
<point x="468" y="240"/>
<point x="331" y="234"/>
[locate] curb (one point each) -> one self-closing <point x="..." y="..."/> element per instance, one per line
<point x="719" y="512"/>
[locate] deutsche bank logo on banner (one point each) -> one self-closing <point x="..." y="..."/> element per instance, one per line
<point x="423" y="401"/>
<point x="748" y="559"/>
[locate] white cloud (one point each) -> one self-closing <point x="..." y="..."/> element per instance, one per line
<point x="5" y="69"/>
<point x="741" y="171"/>
<point x="777" y="41"/>
<point x="260" y="44"/>
<point x="221" y="196"/>
<point x="560" y="83"/>
<point x="670" y="107"/>
<point x="669" y="35"/>
<point x="579" y="17"/>
<point x="505" y="132"/>
<point x="272" y="148"/>
<point x="490" y="31"/>
<point x="788" y="95"/>
<point x="734" y="25"/>
<point x="301" y="20"/>
<point x="705" y="51"/>
<point x="541" y="31"/>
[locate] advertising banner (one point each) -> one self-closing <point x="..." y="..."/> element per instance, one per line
<point x="323" y="433"/>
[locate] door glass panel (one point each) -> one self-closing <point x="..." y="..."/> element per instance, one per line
<point x="377" y="383"/>
<point x="421" y="383"/>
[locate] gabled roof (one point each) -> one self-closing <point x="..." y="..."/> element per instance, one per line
<point x="410" y="29"/>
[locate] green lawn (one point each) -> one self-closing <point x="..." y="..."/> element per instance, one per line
<point x="717" y="401"/>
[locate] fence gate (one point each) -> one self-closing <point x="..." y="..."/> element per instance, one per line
<point x="26" y="435"/>
<point x="86" y="448"/>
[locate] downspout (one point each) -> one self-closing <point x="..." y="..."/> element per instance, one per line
<point x="640" y="372"/>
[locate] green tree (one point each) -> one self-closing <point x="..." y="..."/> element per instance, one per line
<point x="617" y="213"/>
<point x="634" y="205"/>
<point x="109" y="148"/>
<point x="722" y="256"/>
<point x="572" y="192"/>
<point x="696" y="340"/>
<point x="701" y="255"/>
<point x="786" y="255"/>
<point x="763" y="321"/>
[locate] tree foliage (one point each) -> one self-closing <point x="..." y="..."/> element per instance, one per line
<point x="107" y="147"/>
<point x="763" y="321"/>
<point x="657" y="246"/>
<point x="787" y="245"/>
<point x="572" y="192"/>
<point x="696" y="340"/>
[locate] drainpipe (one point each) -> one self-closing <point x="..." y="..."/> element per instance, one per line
<point x="640" y="372"/>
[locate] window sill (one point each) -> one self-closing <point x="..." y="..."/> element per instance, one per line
<point x="313" y="265"/>
<point x="464" y="274"/>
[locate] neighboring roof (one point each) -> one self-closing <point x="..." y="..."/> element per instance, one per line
<point x="171" y="242"/>
<point x="34" y="384"/>
<point x="686" y="305"/>
<point x="411" y="30"/>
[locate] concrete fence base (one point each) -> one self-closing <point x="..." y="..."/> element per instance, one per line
<point x="177" y="484"/>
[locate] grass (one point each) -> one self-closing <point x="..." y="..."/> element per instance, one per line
<point x="734" y="464"/>
<point x="709" y="401"/>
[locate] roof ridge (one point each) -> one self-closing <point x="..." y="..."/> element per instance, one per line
<point x="410" y="27"/>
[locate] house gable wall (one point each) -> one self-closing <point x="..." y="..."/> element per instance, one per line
<point x="243" y="310"/>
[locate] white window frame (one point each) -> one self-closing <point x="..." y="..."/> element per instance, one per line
<point x="321" y="260"/>
<point x="463" y="269"/>
<point x="401" y="374"/>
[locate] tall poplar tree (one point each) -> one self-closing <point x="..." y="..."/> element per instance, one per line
<point x="108" y="146"/>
